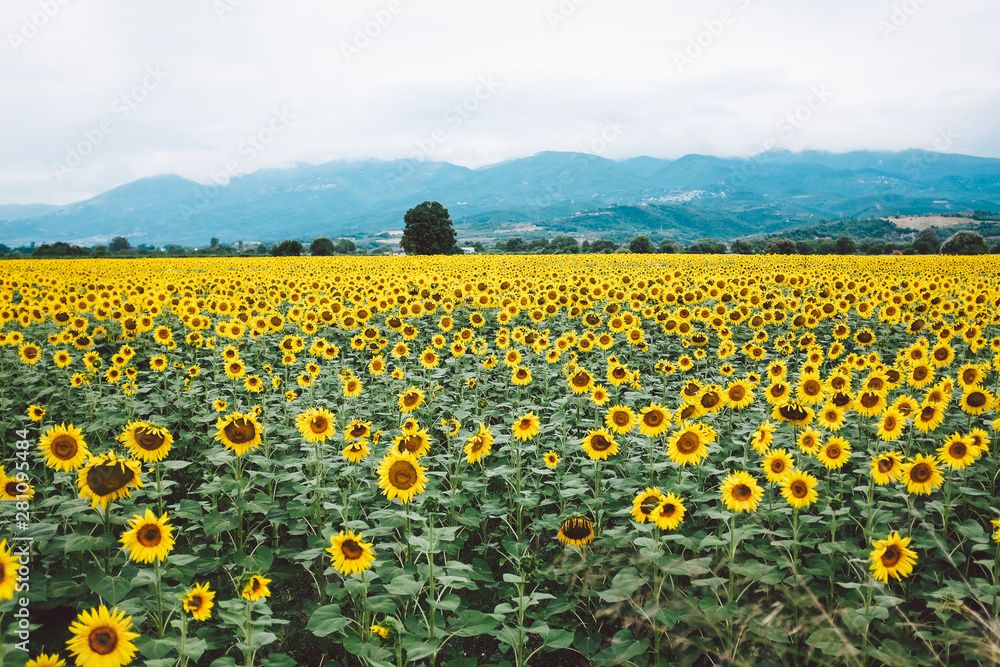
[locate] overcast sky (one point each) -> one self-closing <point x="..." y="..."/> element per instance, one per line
<point x="97" y="93"/>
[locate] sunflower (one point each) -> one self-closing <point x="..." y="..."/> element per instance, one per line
<point x="799" y="489"/>
<point x="810" y="389"/>
<point x="576" y="531"/>
<point x="316" y="424"/>
<point x="147" y="442"/>
<point x="976" y="400"/>
<point x="777" y="465"/>
<point x="107" y="478"/>
<point x="762" y="438"/>
<point x="891" y="425"/>
<point x="653" y="420"/>
<point x="669" y="513"/>
<point x="417" y="442"/>
<point x="102" y="638"/>
<point x="921" y="476"/>
<point x="599" y="395"/>
<point x="526" y="426"/>
<point x="380" y="631"/>
<point x="402" y="476"/>
<point x="996" y="535"/>
<point x="886" y="467"/>
<point x="30" y="353"/>
<point x="929" y="417"/>
<point x="778" y="392"/>
<point x="350" y="553"/>
<point x="235" y="369"/>
<point x="149" y="538"/>
<point x="809" y="441"/>
<point x="599" y="444"/>
<point x="958" y="451"/>
<point x="8" y="572"/>
<point x="254" y="384"/>
<point x="410" y="400"/>
<point x="892" y="557"/>
<point x="690" y="443"/>
<point x="521" y="376"/>
<point x="239" y="432"/>
<point x="580" y="381"/>
<point x="793" y="413"/>
<point x="738" y="395"/>
<point x="256" y="588"/>
<point x="478" y="446"/>
<point x="834" y="453"/>
<point x="46" y="660"/>
<point x="831" y="417"/>
<point x="620" y="419"/>
<point x="15" y="488"/>
<point x="64" y="447"/>
<point x="740" y="492"/>
<point x="645" y="502"/>
<point x="357" y="429"/>
<point x="551" y="459"/>
<point x="36" y="413"/>
<point x="199" y="602"/>
<point x="356" y="452"/>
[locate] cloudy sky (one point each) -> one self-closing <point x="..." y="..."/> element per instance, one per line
<point x="96" y="93"/>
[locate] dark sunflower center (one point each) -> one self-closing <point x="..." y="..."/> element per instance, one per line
<point x="581" y="379"/>
<point x="105" y="479"/>
<point x="737" y="393"/>
<point x="653" y="418"/>
<point x="64" y="447"/>
<point x="648" y="504"/>
<point x="599" y="443"/>
<point x="777" y="390"/>
<point x="358" y="431"/>
<point x="742" y="492"/>
<point x="477" y="445"/>
<point x="149" y="440"/>
<point x="240" y="431"/>
<point x="799" y="489"/>
<point x="777" y="466"/>
<point x="920" y="372"/>
<point x="864" y="337"/>
<point x="521" y="373"/>
<point x="149" y="536"/>
<point x="402" y="475"/>
<point x="869" y="399"/>
<point x="889" y="423"/>
<point x="351" y="550"/>
<point x="619" y="373"/>
<point x="969" y="376"/>
<point x="927" y="414"/>
<point x="318" y="424"/>
<point x="103" y="640"/>
<point x="410" y="399"/>
<point x="892" y="555"/>
<point x="30" y="352"/>
<point x="833" y="452"/>
<point x="255" y="585"/>
<point x="620" y="418"/>
<point x="920" y="473"/>
<point x="941" y="354"/>
<point x="235" y="367"/>
<point x="793" y="412"/>
<point x="668" y="510"/>
<point x="524" y="425"/>
<point x="195" y="603"/>
<point x="811" y="388"/>
<point x="11" y="488"/>
<point x="885" y="465"/>
<point x="688" y="443"/>
<point x="577" y="529"/>
<point x="710" y="400"/>
<point x="976" y="399"/>
<point x="410" y="443"/>
<point x="958" y="450"/>
<point x="840" y="399"/>
<point x="691" y="389"/>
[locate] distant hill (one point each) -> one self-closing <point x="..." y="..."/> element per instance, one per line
<point x="693" y="197"/>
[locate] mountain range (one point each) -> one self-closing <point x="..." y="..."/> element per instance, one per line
<point x="692" y="197"/>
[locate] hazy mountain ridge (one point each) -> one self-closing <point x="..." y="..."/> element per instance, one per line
<point x="692" y="197"/>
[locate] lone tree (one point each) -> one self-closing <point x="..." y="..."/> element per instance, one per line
<point x="321" y="247"/>
<point x="428" y="231"/>
<point x="641" y="244"/>
<point x="119" y="244"/>
<point x="965" y="243"/>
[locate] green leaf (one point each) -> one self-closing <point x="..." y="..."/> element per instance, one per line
<point x="279" y="660"/>
<point x="558" y="639"/>
<point x="216" y="523"/>
<point x="327" y="620"/>
<point x="259" y="561"/>
<point x="403" y="586"/>
<point x="111" y="589"/>
<point x="417" y="649"/>
<point x="81" y="542"/>
<point x="449" y="602"/>
<point x="380" y="604"/>
<point x="623" y="586"/>
<point x="471" y="623"/>
<point x="194" y="648"/>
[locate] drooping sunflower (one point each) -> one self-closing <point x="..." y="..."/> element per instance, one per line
<point x="654" y="419"/>
<point x="256" y="588"/>
<point x="402" y="476"/>
<point x="239" y="432"/>
<point x="740" y="492"/>
<point x="478" y="446"/>
<point x="669" y="513"/>
<point x="620" y="419"/>
<point x="599" y="444"/>
<point x="149" y="538"/>
<point x="576" y="531"/>
<point x="8" y="572"/>
<point x="551" y="459"/>
<point x="777" y="465"/>
<point x="793" y="413"/>
<point x="645" y="502"/>
<point x="316" y="424"/>
<point x="921" y="476"/>
<point x="689" y="444"/>
<point x="63" y="447"/>
<point x="102" y="638"/>
<point x="526" y="426"/>
<point x="350" y="554"/>
<point x="799" y="489"/>
<point x="886" y="467"/>
<point x="356" y="452"/>
<point x="46" y="660"/>
<point x="106" y="478"/>
<point x="199" y="602"/>
<point x="891" y="557"/>
<point x="958" y="451"/>
<point x="410" y="400"/>
<point x="147" y="442"/>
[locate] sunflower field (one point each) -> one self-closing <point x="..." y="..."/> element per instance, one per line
<point x="500" y="460"/>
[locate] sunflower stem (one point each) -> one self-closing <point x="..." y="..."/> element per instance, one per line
<point x="947" y="507"/>
<point x="159" y="598"/>
<point x="107" y="533"/>
<point x="183" y="660"/>
<point x="248" y="654"/>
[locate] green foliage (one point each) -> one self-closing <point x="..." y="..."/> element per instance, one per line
<point x="641" y="244"/>
<point x="289" y="248"/>
<point x="118" y="244"/>
<point x="782" y="246"/>
<point x="321" y="247"/>
<point x="965" y="243"/>
<point x="428" y="230"/>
